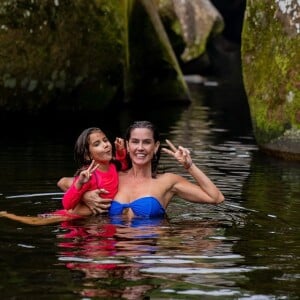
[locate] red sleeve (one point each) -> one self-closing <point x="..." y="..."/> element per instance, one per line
<point x="121" y="157"/>
<point x="72" y="196"/>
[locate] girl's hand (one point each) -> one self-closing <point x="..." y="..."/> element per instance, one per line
<point x="119" y="144"/>
<point x="181" y="154"/>
<point x="85" y="175"/>
<point x="120" y="149"/>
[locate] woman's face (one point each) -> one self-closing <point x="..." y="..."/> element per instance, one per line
<point x="100" y="147"/>
<point x="141" y="145"/>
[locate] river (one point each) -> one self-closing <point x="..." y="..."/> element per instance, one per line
<point x="246" y="248"/>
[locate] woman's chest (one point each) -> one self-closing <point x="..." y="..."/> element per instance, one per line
<point x="134" y="189"/>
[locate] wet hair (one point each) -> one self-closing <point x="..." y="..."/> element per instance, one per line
<point x="156" y="137"/>
<point x="82" y="152"/>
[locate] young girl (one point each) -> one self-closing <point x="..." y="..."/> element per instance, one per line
<point x="98" y="170"/>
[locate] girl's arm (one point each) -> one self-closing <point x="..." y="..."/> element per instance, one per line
<point x="91" y="199"/>
<point x="121" y="153"/>
<point x="79" y="186"/>
<point x="73" y="194"/>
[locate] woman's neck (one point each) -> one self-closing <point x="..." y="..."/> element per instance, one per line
<point x="138" y="172"/>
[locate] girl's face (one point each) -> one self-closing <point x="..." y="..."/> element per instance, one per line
<point x="141" y="145"/>
<point x="100" y="147"/>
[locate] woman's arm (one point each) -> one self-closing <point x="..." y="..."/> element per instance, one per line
<point x="95" y="203"/>
<point x="91" y="198"/>
<point x="206" y="191"/>
<point x="64" y="183"/>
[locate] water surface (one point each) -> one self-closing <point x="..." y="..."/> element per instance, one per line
<point x="246" y="248"/>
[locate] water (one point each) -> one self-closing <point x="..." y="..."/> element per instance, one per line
<point x="246" y="248"/>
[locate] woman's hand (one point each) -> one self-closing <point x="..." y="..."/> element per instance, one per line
<point x="181" y="154"/>
<point x="95" y="203"/>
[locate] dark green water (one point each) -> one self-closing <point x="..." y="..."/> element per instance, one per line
<point x="246" y="248"/>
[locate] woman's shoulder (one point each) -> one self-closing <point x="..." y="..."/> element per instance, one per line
<point x="168" y="176"/>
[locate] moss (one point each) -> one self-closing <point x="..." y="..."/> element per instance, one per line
<point x="64" y="52"/>
<point x="271" y="63"/>
<point x="47" y="47"/>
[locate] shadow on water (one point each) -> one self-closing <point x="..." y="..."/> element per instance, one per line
<point x="246" y="248"/>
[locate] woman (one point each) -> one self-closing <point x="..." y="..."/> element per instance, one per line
<point x="144" y="192"/>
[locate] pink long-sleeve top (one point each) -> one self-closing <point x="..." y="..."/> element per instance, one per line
<point x="99" y="180"/>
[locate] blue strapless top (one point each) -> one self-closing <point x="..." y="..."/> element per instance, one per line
<point x="145" y="206"/>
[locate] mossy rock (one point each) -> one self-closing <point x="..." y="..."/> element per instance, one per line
<point x="271" y="64"/>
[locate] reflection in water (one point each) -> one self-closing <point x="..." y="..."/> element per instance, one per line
<point x="124" y="255"/>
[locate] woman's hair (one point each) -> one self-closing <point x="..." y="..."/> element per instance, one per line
<point x="156" y="136"/>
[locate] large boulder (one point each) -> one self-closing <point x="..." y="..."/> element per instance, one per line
<point x="194" y="22"/>
<point x="55" y="54"/>
<point x="271" y="74"/>
<point x="83" y="55"/>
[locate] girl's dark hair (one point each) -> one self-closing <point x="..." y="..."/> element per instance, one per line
<point x="82" y="152"/>
<point x="156" y="136"/>
<point x="81" y="149"/>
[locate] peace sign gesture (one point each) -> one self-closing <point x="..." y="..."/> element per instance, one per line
<point x="119" y="144"/>
<point x="181" y="154"/>
<point x="85" y="175"/>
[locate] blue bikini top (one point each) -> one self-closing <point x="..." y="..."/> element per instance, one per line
<point x="145" y="206"/>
